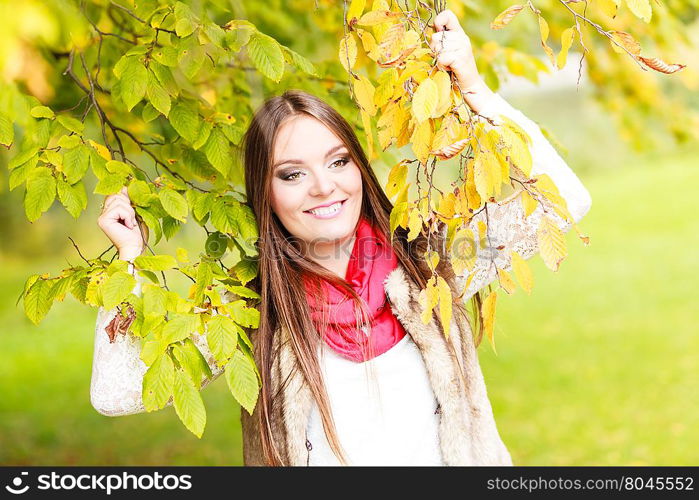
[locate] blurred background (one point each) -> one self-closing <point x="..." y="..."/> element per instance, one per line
<point x="597" y="367"/>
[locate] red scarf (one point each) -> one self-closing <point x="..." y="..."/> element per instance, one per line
<point x="371" y="260"/>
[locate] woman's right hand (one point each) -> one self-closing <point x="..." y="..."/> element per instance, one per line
<point x="118" y="221"/>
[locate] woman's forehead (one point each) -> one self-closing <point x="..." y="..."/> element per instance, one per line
<point x="303" y="136"/>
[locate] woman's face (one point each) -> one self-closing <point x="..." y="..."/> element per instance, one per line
<point x="316" y="187"/>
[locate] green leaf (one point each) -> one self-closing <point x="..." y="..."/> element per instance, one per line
<point x="203" y="135"/>
<point x="75" y="164"/>
<point x="244" y="315"/>
<point x="218" y="151"/>
<point x="266" y="54"/>
<point x="38" y="300"/>
<point x="216" y="244"/>
<point x="154" y="300"/>
<point x="151" y="221"/>
<point x="155" y="262"/>
<point x="171" y="227"/>
<point x="109" y="184"/>
<point x="40" y="193"/>
<point x="188" y="404"/>
<point x="70" y="123"/>
<point x="243" y="291"/>
<point x="299" y="61"/>
<point x="185" y="121"/>
<point x="158" y="382"/>
<point x="134" y="80"/>
<point x="117" y="288"/>
<point x="174" y="203"/>
<point x="179" y="327"/>
<point x="166" y="56"/>
<point x="222" y="337"/>
<point x="184" y="27"/>
<point x="242" y="381"/>
<point x="224" y="216"/>
<point x="23" y="157"/>
<point x="246" y="270"/>
<point x="7" y="131"/>
<point x="247" y="235"/>
<point x="157" y="95"/>
<point x="41" y="112"/>
<point x="73" y="197"/>
<point x="69" y="141"/>
<point x="195" y="365"/>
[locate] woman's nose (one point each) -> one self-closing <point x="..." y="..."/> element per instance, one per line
<point x="322" y="185"/>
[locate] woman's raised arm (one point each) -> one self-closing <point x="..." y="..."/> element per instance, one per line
<point x="507" y="224"/>
<point x="117" y="367"/>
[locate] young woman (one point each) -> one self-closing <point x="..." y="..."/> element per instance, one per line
<point x="351" y="374"/>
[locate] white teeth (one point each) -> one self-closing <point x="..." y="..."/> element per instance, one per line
<point x="327" y="210"/>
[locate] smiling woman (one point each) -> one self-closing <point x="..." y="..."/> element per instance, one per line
<point x="340" y="299"/>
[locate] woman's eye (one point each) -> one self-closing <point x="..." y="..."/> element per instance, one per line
<point x="341" y="162"/>
<point x="292" y="176"/>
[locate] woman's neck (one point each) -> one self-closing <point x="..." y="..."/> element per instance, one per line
<point x="333" y="256"/>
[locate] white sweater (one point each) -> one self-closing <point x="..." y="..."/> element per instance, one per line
<point x="384" y="410"/>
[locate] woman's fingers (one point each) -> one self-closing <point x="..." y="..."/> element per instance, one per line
<point x="120" y="210"/>
<point x="447" y="21"/>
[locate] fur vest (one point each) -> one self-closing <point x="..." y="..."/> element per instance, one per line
<point x="467" y="431"/>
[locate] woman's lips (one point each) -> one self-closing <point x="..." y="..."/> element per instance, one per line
<point x="329" y="212"/>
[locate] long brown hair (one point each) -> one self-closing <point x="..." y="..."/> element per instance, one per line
<point x="282" y="266"/>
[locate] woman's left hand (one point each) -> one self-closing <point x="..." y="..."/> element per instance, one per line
<point x="452" y="48"/>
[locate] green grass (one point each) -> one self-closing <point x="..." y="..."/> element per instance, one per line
<point x="598" y="366"/>
<point x="594" y="368"/>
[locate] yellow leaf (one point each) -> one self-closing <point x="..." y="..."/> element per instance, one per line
<point x="488" y="316"/>
<point x="355" y="9"/>
<point x="364" y="94"/>
<point x="377" y="17"/>
<point x="348" y="51"/>
<point x="529" y="203"/>
<point x="463" y="251"/>
<point x="369" y="44"/>
<point x="432" y="258"/>
<point x="445" y="302"/>
<point x="487" y="175"/>
<point x="482" y="234"/>
<point x="473" y="199"/>
<point x="552" y="243"/>
<point x="396" y="178"/>
<point x="422" y="140"/>
<point x="425" y="100"/>
<point x="609" y="7"/>
<point x="641" y="9"/>
<point x="428" y="299"/>
<point x="443" y="82"/>
<point x="504" y="18"/>
<point x="544" y="32"/>
<point x="101" y="150"/>
<point x="366" y="123"/>
<point x="506" y="281"/>
<point x="446" y="205"/>
<point x="517" y="149"/>
<point x="522" y="272"/>
<point x="386" y="86"/>
<point x="414" y="224"/>
<point x="415" y="69"/>
<point x="566" y="41"/>
<point x="621" y="40"/>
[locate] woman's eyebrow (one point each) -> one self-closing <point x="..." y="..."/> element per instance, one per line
<point x="300" y="162"/>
